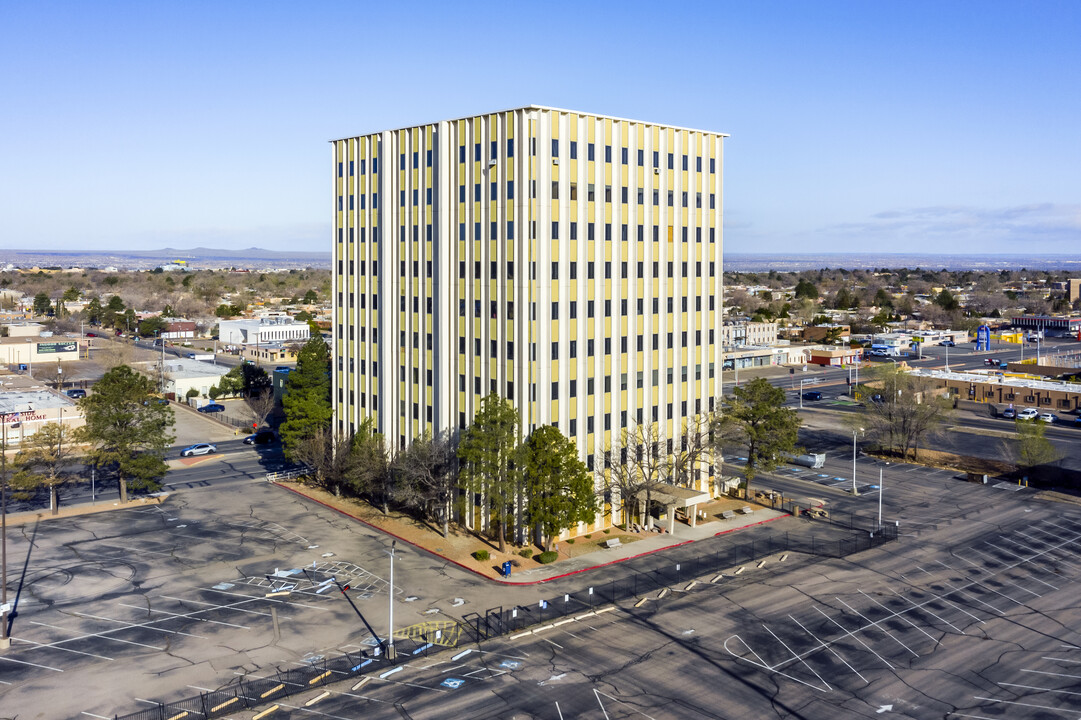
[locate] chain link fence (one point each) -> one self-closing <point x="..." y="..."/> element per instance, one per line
<point x="249" y="693"/>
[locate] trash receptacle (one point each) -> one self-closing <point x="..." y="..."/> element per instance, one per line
<point x="506" y="569"/>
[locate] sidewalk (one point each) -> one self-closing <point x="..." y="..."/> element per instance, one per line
<point x="685" y="535"/>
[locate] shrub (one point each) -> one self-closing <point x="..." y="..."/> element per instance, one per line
<point x="622" y="526"/>
<point x="606" y="530"/>
<point x="192" y="392"/>
<point x="481" y="555"/>
<point x="526" y="553"/>
<point x="547" y="557"/>
<point x="589" y="536"/>
<point x="571" y="541"/>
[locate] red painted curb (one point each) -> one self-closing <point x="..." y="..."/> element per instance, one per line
<point x="512" y="582"/>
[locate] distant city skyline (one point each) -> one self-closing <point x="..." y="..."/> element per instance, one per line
<point x="915" y="127"/>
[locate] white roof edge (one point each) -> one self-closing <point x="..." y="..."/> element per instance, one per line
<point x="536" y="107"/>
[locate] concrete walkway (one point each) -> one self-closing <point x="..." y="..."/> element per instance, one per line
<point x="654" y="543"/>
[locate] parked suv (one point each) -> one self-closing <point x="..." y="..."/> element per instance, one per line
<point x="1028" y="414"/>
<point x="75" y="393"/>
<point x="261" y="438"/>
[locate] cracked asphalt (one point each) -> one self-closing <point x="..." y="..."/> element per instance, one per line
<point x="972" y="615"/>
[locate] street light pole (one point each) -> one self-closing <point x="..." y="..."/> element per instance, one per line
<point x="854" y="432"/>
<point x="5" y="641"/>
<point x="390" y="622"/>
<point x="880" y="481"/>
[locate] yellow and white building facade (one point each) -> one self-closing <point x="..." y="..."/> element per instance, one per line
<point x="569" y="262"/>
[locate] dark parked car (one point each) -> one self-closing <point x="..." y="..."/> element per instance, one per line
<point x="261" y="438"/>
<point x="212" y="408"/>
<point x="75" y="393"/>
<point x="812" y="395"/>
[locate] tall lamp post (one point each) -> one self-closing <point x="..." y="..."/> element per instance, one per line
<point x="5" y="641"/>
<point x="880" y="481"/>
<point x="854" y="433"/>
<point x="390" y="630"/>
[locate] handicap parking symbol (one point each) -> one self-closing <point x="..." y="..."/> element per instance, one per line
<point x="452" y="683"/>
<point x="510" y="664"/>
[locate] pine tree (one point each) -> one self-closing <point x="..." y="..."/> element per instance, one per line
<point x="558" y="487"/>
<point x="486" y="450"/>
<point x="127" y="426"/>
<point x="307" y="395"/>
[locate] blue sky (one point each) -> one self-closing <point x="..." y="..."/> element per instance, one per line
<point x="856" y="126"/>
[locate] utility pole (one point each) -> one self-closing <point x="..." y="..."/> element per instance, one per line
<point x="390" y="623"/>
<point x="5" y="641"/>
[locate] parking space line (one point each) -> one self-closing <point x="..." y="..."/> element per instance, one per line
<point x="1015" y="702"/>
<point x="76" y="652"/>
<point x="273" y="600"/>
<point x="876" y="622"/>
<point x="4" y="658"/>
<point x="1031" y="577"/>
<point x="915" y="606"/>
<point x="172" y="614"/>
<point x="1053" y="674"/>
<point x="1065" y="660"/>
<point x="1030" y="687"/>
<point x="854" y="637"/>
<point x="828" y="647"/>
<point x="128" y="626"/>
<point x="219" y="606"/>
<point x="932" y="614"/>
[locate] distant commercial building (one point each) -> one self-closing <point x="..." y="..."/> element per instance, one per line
<point x="819" y="333"/>
<point x="567" y="261"/>
<point x="180" y="375"/>
<point x="748" y="333"/>
<point x="178" y="329"/>
<point x="30" y="351"/>
<point x="1049" y="325"/>
<point x="26" y="405"/>
<point x="271" y="328"/>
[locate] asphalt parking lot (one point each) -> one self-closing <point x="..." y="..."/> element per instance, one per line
<point x="969" y="615"/>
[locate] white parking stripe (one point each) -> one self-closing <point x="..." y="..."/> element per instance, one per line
<point x="854" y="637"/>
<point x="828" y="647"/>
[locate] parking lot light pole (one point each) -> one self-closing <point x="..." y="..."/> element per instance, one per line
<point x="854" y="432"/>
<point x="5" y="641"/>
<point x="390" y="622"/>
<point x="880" y="481"/>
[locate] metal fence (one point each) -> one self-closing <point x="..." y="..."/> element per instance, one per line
<point x="251" y="693"/>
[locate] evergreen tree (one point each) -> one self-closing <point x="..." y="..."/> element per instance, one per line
<point x="486" y="451"/>
<point x="42" y="304"/>
<point x="307" y="395"/>
<point x="43" y="463"/>
<point x="127" y="427"/>
<point x="558" y="487"/>
<point x="756" y="415"/>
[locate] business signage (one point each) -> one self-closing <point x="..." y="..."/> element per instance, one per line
<point x="58" y="347"/>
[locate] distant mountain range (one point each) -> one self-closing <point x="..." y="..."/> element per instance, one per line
<point x="198" y="258"/>
<point x="256" y="258"/>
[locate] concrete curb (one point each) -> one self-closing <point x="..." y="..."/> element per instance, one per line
<point x="511" y="581"/>
<point x="32" y="516"/>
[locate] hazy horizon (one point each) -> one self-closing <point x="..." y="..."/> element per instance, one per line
<point x="920" y="125"/>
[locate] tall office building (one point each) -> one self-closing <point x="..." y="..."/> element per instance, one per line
<point x="569" y="262"/>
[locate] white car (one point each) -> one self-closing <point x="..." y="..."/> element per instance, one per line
<point x="1027" y="414"/>
<point x="200" y="449"/>
<point x="1047" y="417"/>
